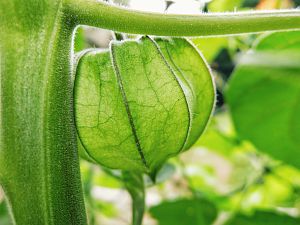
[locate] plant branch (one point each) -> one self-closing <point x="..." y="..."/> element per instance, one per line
<point x="134" y="184"/>
<point x="99" y="14"/>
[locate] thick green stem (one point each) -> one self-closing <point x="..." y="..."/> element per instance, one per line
<point x="95" y="13"/>
<point x="134" y="184"/>
<point x="39" y="167"/>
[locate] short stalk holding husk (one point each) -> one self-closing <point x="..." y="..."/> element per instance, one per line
<point x="135" y="186"/>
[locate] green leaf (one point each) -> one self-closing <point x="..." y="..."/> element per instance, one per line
<point x="224" y="5"/>
<point x="264" y="218"/>
<point x="135" y="106"/>
<point x="210" y="46"/>
<point x="264" y="97"/>
<point x="185" y="211"/>
<point x="216" y="139"/>
<point x="280" y="41"/>
<point x="4" y="215"/>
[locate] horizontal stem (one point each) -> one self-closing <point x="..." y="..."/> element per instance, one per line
<point x="98" y="14"/>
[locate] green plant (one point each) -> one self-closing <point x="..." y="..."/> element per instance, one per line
<point x="39" y="167"/>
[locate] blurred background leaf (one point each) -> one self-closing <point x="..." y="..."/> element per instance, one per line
<point x="264" y="218"/>
<point x="264" y="97"/>
<point x="185" y="211"/>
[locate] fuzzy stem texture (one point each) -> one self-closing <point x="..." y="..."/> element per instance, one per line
<point x="99" y="14"/>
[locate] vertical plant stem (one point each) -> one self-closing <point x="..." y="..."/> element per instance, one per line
<point x="39" y="165"/>
<point x="134" y="184"/>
